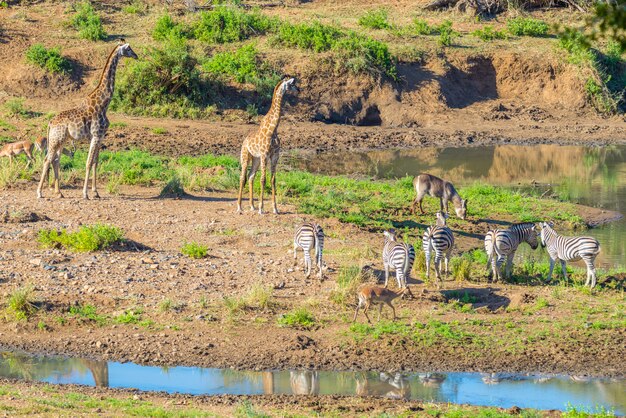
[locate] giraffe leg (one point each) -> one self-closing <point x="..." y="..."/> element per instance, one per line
<point x="44" y="174"/>
<point x="89" y="164"/>
<point x="273" y="164"/>
<point x="95" y="170"/>
<point x="56" y="163"/>
<point x="253" y="170"/>
<point x="242" y="180"/>
<point x="263" y="179"/>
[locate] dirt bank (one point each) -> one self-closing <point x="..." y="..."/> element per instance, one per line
<point x="181" y="315"/>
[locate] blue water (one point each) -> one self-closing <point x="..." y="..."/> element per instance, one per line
<point x="502" y="390"/>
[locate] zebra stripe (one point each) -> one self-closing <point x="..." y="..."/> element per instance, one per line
<point x="399" y="256"/>
<point x="570" y="249"/>
<point x="502" y="243"/>
<point x="309" y="236"/>
<point x="437" y="239"/>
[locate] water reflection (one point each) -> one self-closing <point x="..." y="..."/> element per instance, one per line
<point x="594" y="176"/>
<point x="492" y="389"/>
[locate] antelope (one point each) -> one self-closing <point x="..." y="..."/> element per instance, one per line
<point x="378" y="295"/>
<point x="427" y="184"/>
<point x="17" y="148"/>
<point x="41" y="145"/>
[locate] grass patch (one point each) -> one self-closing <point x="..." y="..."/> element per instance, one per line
<point x="525" y="26"/>
<point x="15" y="107"/>
<point x="446" y="33"/>
<point x="129" y="316"/>
<point x="194" y="250"/>
<point x="421" y="27"/>
<point x="300" y="318"/>
<point x="20" y="303"/>
<point x="348" y="281"/>
<point x="166" y="27"/>
<point x="49" y="59"/>
<point x="87" y="312"/>
<point x="87" y="22"/>
<point x="426" y="334"/>
<point x="228" y="23"/>
<point x="488" y="33"/>
<point x="375" y="19"/>
<point x="88" y="238"/>
<point x="159" y="131"/>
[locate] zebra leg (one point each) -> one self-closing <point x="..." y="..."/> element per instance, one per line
<point x="564" y="270"/>
<point x="509" y="266"/>
<point x="438" y="269"/>
<point x="386" y="274"/>
<point x="591" y="273"/>
<point x="295" y="254"/>
<point x="307" y="262"/>
<point x="427" y="257"/>
<point x="446" y="260"/>
<point x="552" y="261"/>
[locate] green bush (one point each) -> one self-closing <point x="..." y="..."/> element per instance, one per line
<point x="375" y="19"/>
<point x="15" y="107"/>
<point x="20" y="303"/>
<point x="489" y="34"/>
<point x="421" y="27"/>
<point x="298" y="318"/>
<point x="87" y="22"/>
<point x="166" y="27"/>
<point x="48" y="59"/>
<point x="358" y="53"/>
<point x="313" y="36"/>
<point x="87" y="238"/>
<point x="524" y="26"/>
<point x="227" y="23"/>
<point x="446" y="33"/>
<point x="194" y="250"/>
<point x="165" y="81"/>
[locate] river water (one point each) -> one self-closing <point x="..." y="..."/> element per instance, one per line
<point x="500" y="389"/>
<point x="593" y="176"/>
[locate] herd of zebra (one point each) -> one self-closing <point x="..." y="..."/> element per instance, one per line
<point x="438" y="241"/>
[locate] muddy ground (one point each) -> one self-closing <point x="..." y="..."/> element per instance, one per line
<point x="246" y="250"/>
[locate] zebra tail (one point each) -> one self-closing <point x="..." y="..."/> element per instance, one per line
<point x="317" y="245"/>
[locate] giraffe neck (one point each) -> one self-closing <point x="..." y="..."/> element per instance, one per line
<point x="270" y="122"/>
<point x="100" y="98"/>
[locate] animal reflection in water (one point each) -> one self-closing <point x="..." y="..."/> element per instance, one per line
<point x="305" y="382"/>
<point x="491" y="378"/>
<point x="99" y="371"/>
<point x="432" y="379"/>
<point x="388" y="385"/>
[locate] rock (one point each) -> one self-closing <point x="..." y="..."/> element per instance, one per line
<point x="98" y="344"/>
<point x="35" y="261"/>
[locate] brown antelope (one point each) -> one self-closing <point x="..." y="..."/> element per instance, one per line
<point x="378" y="295"/>
<point x="427" y="184"/>
<point x="17" y="148"/>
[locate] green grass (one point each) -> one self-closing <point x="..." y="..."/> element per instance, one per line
<point x="426" y="334"/>
<point x="488" y="33"/>
<point x="525" y="26"/>
<point x="88" y="238"/>
<point x="129" y="316"/>
<point x="194" y="250"/>
<point x="87" y="22"/>
<point x="159" y="131"/>
<point x="49" y="59"/>
<point x="446" y="33"/>
<point x="20" y="303"/>
<point x="375" y="19"/>
<point x="15" y="107"/>
<point x="227" y="23"/>
<point x="87" y="312"/>
<point x="421" y="27"/>
<point x="300" y="318"/>
<point x="348" y="281"/>
<point x="166" y="27"/>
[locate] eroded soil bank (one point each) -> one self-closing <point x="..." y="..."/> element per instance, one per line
<point x="156" y="306"/>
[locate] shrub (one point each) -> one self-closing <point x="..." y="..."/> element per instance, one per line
<point x="129" y="316"/>
<point x="166" y="27"/>
<point x="165" y="81"/>
<point x="489" y="34"/>
<point x="360" y="53"/>
<point x="421" y="27"/>
<point x="461" y="267"/>
<point x="298" y="318"/>
<point x="87" y="22"/>
<point x="194" y="250"/>
<point x="15" y="107"/>
<point x="87" y="238"/>
<point x="446" y="33"/>
<point x="261" y="296"/>
<point x="314" y="36"/>
<point x="20" y="303"/>
<point x="375" y="19"/>
<point x="87" y="312"/>
<point x="348" y="281"/>
<point x="48" y="59"/>
<point x="226" y="23"/>
<point x="524" y="26"/>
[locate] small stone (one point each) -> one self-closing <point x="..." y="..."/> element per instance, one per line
<point x="98" y="344"/>
<point x="35" y="261"/>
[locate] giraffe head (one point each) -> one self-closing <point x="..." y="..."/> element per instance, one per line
<point x="287" y="84"/>
<point x="124" y="49"/>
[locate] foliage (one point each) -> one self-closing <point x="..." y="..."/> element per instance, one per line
<point x="446" y="33"/>
<point x="421" y="27"/>
<point x="297" y="318"/>
<point x="20" y="303"/>
<point x="166" y="27"/>
<point x="314" y="36"/>
<point x="15" y="107"/>
<point x="87" y="312"/>
<point x="164" y="81"/>
<point x="525" y="26"/>
<point x="375" y="19"/>
<point x="87" y="238"/>
<point x="608" y="20"/>
<point x="194" y="250"/>
<point x="228" y="23"/>
<point x="87" y="22"/>
<point x="129" y="316"/>
<point x="487" y="33"/>
<point x="461" y="267"/>
<point x="48" y="59"/>
<point x="348" y="282"/>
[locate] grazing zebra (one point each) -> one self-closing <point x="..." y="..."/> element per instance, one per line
<point x="570" y="249"/>
<point x="438" y="238"/>
<point x="309" y="236"/>
<point x="502" y="243"/>
<point x="398" y="255"/>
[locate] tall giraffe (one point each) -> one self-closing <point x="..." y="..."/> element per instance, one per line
<point x="264" y="146"/>
<point x="88" y="121"/>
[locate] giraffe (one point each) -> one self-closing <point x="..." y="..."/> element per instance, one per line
<point x="88" y="121"/>
<point x="264" y="146"/>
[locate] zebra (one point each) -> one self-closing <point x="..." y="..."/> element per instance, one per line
<point x="502" y="243"/>
<point x="570" y="249"/>
<point x="309" y="236"/>
<point x="438" y="238"/>
<point x="398" y="255"/>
